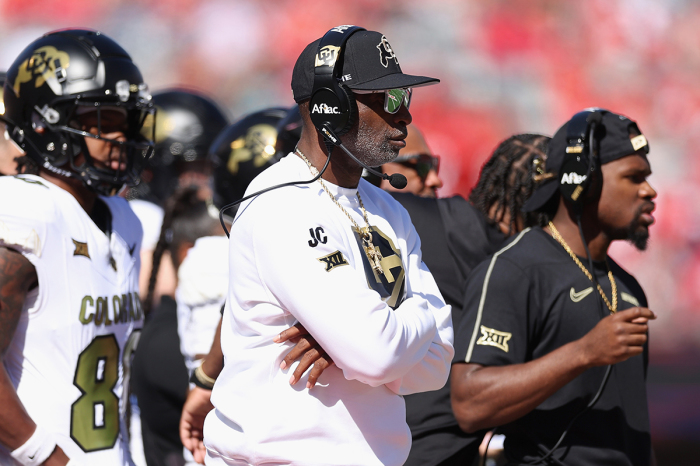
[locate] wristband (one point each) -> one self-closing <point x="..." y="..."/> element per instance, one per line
<point x="202" y="380"/>
<point x="73" y="463"/>
<point x="35" y="450"/>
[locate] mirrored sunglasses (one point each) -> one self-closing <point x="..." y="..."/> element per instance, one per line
<point x="393" y="98"/>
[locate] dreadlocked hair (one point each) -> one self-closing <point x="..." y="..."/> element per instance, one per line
<point x="186" y="218"/>
<point x="508" y="178"/>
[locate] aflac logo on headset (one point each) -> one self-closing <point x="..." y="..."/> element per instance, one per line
<point x="580" y="159"/>
<point x="331" y="103"/>
<point x="573" y="178"/>
<point x="325" y="109"/>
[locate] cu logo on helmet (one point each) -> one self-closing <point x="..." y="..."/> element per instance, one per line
<point x="325" y="109"/>
<point x="46" y="65"/>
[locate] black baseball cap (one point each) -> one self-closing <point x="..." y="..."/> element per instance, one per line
<point x="613" y="140"/>
<point x="369" y="64"/>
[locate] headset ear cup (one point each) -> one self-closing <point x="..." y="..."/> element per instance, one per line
<point x="574" y="181"/>
<point x="347" y="95"/>
<point x="314" y="119"/>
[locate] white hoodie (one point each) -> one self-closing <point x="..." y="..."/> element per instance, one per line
<point x="293" y="257"/>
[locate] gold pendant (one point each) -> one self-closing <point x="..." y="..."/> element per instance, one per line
<point x="375" y="259"/>
<point x="373" y="254"/>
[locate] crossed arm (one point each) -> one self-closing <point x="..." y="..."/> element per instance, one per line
<point x="198" y="403"/>
<point x="17" y="278"/>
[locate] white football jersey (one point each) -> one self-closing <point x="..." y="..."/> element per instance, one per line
<point x="201" y="291"/>
<point x="70" y="356"/>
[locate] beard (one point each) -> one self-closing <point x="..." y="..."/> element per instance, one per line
<point x="373" y="148"/>
<point x="636" y="233"/>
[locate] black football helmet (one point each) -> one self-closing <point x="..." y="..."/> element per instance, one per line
<point x="186" y="124"/>
<point x="288" y="132"/>
<point x="65" y="74"/>
<point x="242" y="151"/>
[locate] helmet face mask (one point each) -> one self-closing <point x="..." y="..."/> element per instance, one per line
<point x="133" y="148"/>
<point x="59" y="79"/>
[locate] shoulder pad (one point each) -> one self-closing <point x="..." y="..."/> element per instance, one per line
<point x="28" y="207"/>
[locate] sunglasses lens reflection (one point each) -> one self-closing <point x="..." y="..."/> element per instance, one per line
<point x="394" y="98"/>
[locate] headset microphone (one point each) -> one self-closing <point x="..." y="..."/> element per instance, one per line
<point x="396" y="180"/>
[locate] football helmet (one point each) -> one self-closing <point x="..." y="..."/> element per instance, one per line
<point x="186" y="124"/>
<point x="67" y="74"/>
<point x="242" y="151"/>
<point x="288" y="132"/>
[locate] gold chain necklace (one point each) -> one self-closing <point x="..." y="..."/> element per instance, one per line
<point x="372" y="252"/>
<point x="613" y="285"/>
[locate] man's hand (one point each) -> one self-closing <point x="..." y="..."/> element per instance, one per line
<point x="617" y="337"/>
<point x="307" y="351"/>
<point x="196" y="408"/>
<point x="57" y="458"/>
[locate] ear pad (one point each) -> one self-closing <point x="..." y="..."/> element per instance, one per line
<point x="349" y="98"/>
<point x="327" y="107"/>
<point x="580" y="162"/>
<point x="575" y="179"/>
<point x="336" y="107"/>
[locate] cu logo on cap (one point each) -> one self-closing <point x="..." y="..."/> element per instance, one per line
<point x="386" y="53"/>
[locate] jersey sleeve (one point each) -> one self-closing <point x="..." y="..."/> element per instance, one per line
<point x="26" y="212"/>
<point x="430" y="373"/>
<point x="317" y="280"/>
<point x="150" y="216"/>
<point x="494" y="329"/>
<point x="125" y="223"/>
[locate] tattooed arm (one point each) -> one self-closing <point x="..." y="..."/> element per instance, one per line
<point x="17" y="277"/>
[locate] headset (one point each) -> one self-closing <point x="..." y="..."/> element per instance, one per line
<point x="581" y="158"/>
<point x="332" y="102"/>
<point x="332" y="106"/>
<point x="335" y="109"/>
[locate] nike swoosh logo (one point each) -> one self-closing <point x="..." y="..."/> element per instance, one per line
<point x="577" y="296"/>
<point x="629" y="298"/>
